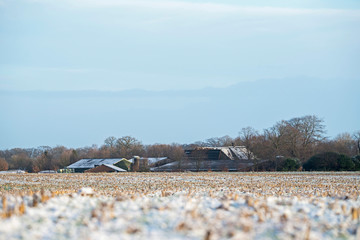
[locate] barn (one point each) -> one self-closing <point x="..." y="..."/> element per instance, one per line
<point x="232" y="158"/>
<point x="85" y="164"/>
<point x="219" y="153"/>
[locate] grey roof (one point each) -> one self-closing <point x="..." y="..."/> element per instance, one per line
<point x="92" y="162"/>
<point x="231" y="152"/>
<point x="214" y="165"/>
<point x="47" y="171"/>
<point x="12" y="171"/>
<point x="237" y="152"/>
<point x="150" y="160"/>
<point x="115" y="168"/>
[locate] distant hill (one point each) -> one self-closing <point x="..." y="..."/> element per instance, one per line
<point x="79" y="118"/>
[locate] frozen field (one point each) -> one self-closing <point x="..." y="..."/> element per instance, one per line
<point x="180" y="206"/>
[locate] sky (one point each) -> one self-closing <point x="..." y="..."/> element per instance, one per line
<point x="74" y="72"/>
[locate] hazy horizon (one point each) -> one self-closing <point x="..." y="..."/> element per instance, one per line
<point x="75" y="72"/>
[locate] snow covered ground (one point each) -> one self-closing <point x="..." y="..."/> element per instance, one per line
<point x="181" y="206"/>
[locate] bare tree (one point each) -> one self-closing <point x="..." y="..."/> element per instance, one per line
<point x="219" y="142"/>
<point x="356" y="137"/>
<point x="129" y="146"/>
<point x="303" y="134"/>
<point x="110" y="142"/>
<point x="248" y="137"/>
<point x="177" y="154"/>
<point x="110" y="147"/>
<point x="3" y="164"/>
<point x="198" y="157"/>
<point x="173" y="152"/>
<point x="45" y="162"/>
<point x="67" y="157"/>
<point x="21" y="161"/>
<point x="277" y="137"/>
<point x="345" y="143"/>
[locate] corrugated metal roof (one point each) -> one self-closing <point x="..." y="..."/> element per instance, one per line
<point x="214" y="165"/>
<point x="115" y="168"/>
<point x="92" y="162"/>
<point x="231" y="152"/>
<point x="240" y="152"/>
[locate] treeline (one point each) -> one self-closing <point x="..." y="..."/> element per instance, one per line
<point x="288" y="145"/>
<point x="47" y="158"/>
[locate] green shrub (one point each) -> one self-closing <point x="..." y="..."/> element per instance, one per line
<point x="345" y="163"/>
<point x="290" y="164"/>
<point x="329" y="161"/>
<point x="356" y="161"/>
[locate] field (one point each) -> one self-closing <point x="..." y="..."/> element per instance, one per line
<point x="180" y="206"/>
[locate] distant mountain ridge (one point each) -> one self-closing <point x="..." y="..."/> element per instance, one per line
<point x="79" y="118"/>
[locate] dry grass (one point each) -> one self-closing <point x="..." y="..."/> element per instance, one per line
<point x="245" y="200"/>
<point x="132" y="184"/>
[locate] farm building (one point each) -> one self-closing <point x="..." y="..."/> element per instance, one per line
<point x="219" y="153"/>
<point x="47" y="171"/>
<point x="205" y="165"/>
<point x="89" y="163"/>
<point x="105" y="168"/>
<point x="234" y="158"/>
<point x="124" y="164"/>
<point x="12" y="171"/>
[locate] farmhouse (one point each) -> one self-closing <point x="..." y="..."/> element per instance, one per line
<point x="89" y="163"/>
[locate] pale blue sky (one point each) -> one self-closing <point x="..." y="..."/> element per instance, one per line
<point x="181" y="46"/>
